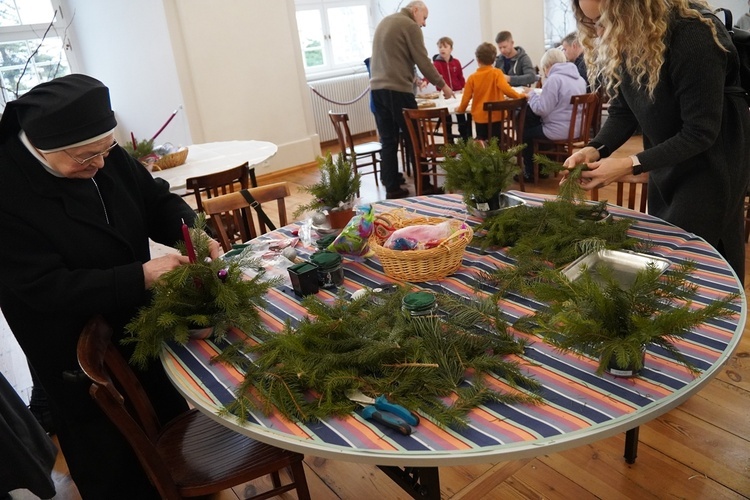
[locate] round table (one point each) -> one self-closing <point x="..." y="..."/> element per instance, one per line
<point x="579" y="406"/>
<point x="212" y="157"/>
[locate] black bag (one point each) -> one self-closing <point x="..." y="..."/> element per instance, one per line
<point x="741" y="40"/>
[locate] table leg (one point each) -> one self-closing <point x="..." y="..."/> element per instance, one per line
<point x="419" y="482"/>
<point x="631" y="445"/>
<point x="253" y="180"/>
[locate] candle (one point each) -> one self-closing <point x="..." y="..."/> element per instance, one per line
<point x="135" y="143"/>
<point x="165" y="124"/>
<point x="188" y="242"/>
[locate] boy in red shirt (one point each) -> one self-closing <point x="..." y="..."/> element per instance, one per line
<point x="450" y="69"/>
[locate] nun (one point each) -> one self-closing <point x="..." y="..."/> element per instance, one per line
<point x="76" y="216"/>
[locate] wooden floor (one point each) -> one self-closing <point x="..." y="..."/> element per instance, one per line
<point x="699" y="450"/>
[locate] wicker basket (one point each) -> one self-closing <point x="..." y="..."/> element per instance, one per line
<point x="420" y="265"/>
<point x="171" y="160"/>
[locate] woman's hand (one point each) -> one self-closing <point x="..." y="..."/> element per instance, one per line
<point x="600" y="173"/>
<point x="153" y="269"/>
<point x="214" y="249"/>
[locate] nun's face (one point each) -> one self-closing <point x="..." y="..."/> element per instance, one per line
<point x="82" y="162"/>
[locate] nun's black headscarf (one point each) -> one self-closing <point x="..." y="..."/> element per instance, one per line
<point x="59" y="113"/>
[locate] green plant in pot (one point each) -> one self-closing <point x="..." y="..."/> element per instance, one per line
<point x="335" y="192"/>
<point x="481" y="172"/>
<point x="597" y="316"/>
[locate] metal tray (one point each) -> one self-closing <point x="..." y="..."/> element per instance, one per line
<point x="506" y="201"/>
<point x="625" y="265"/>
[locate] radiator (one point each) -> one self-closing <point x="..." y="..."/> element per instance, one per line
<point x="342" y="91"/>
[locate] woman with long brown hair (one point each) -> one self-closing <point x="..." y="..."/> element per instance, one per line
<point x="671" y="69"/>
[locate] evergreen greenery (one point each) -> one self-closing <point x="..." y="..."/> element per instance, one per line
<point x="418" y="362"/>
<point x="596" y="316"/>
<point x="480" y="172"/>
<point x="142" y="148"/>
<point x="338" y="186"/>
<point x="195" y="296"/>
<point x="557" y="231"/>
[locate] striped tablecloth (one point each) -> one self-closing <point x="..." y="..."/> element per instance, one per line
<point x="579" y="406"/>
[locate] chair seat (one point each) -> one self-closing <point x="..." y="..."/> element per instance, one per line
<point x="366" y="148"/>
<point x="203" y="455"/>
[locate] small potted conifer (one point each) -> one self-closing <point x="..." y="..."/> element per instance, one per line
<point x="482" y="172"/>
<point x="335" y="192"/>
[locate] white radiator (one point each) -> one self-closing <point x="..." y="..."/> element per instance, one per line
<point x="342" y="91"/>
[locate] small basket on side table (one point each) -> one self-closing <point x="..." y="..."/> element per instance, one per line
<point x="171" y="160"/>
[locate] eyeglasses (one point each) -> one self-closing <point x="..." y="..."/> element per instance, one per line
<point x="92" y="157"/>
<point x="594" y="24"/>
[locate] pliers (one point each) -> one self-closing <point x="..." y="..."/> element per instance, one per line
<point x="389" y="414"/>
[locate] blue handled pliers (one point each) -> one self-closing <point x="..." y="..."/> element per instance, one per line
<point x="389" y="414"/>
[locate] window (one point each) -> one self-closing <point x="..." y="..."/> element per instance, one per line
<point x="335" y="35"/>
<point x="558" y="21"/>
<point x="33" y="45"/>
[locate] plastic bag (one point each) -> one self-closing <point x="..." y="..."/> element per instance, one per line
<point x="419" y="237"/>
<point x="353" y="239"/>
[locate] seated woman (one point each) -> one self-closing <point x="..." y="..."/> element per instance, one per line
<point x="549" y="112"/>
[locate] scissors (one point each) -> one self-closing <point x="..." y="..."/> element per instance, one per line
<point x="381" y="410"/>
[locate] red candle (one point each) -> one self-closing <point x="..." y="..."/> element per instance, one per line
<point x="188" y="242"/>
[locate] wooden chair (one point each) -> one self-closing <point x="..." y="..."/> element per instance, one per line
<point x="509" y="130"/>
<point x="360" y="155"/>
<point x="234" y="217"/>
<point x="427" y="145"/>
<point x="192" y="455"/>
<point x="216" y="184"/>
<point x="634" y="183"/>
<point x="584" y="107"/>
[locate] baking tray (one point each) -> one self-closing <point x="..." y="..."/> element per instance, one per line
<point x="625" y="265"/>
<point x="506" y="201"/>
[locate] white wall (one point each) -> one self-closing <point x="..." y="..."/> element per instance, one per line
<point x="126" y="45"/>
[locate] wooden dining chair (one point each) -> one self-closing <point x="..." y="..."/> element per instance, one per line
<point x="579" y="132"/>
<point x="191" y="455"/>
<point x="236" y="219"/>
<point x="507" y="125"/>
<point x="216" y="184"/>
<point x="426" y="144"/>
<point x="366" y="154"/>
<point x="637" y="188"/>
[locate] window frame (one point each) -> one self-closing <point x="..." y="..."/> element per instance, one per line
<point x="36" y="31"/>
<point x="329" y="69"/>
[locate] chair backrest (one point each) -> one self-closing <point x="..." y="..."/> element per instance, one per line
<point x="216" y="184"/>
<point x="343" y="134"/>
<point x="117" y="391"/>
<point x="426" y="143"/>
<point x="234" y="219"/>
<point x="634" y="184"/>
<point x="584" y="108"/>
<point x="510" y="114"/>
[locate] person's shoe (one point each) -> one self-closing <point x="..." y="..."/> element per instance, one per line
<point x="401" y="179"/>
<point x="430" y="189"/>
<point x="525" y="179"/>
<point x="398" y="193"/>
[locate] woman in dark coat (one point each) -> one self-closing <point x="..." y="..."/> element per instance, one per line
<point x="674" y="72"/>
<point x="76" y="216"/>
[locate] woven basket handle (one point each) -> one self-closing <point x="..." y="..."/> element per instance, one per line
<point x="458" y="233"/>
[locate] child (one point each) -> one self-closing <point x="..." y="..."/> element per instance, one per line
<point x="486" y="84"/>
<point x="451" y="71"/>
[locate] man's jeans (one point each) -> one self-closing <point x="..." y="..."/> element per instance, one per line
<point x="389" y="117"/>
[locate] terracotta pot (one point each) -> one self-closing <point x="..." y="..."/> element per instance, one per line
<point x="340" y="218"/>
